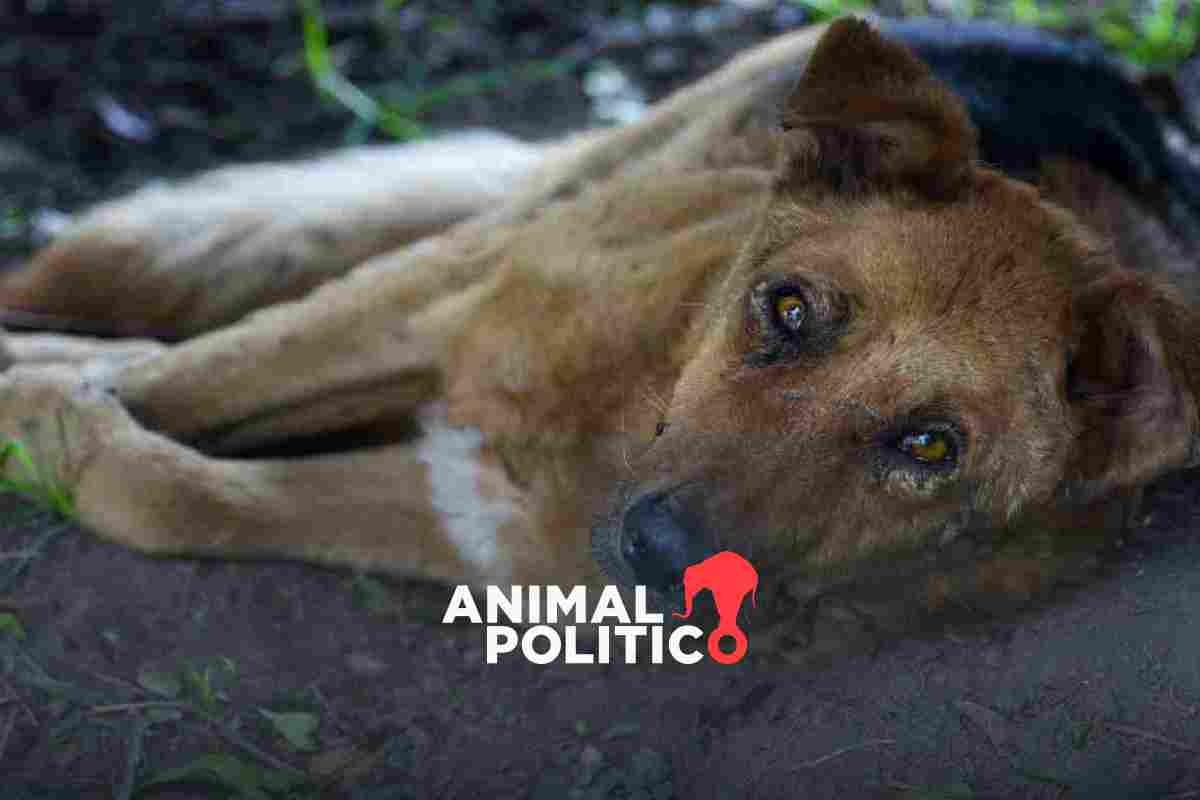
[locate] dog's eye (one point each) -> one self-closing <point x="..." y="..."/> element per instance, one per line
<point x="793" y="316"/>
<point x="791" y="312"/>
<point x="929" y="447"/>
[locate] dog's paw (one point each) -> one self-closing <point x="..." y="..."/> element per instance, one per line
<point x="52" y="425"/>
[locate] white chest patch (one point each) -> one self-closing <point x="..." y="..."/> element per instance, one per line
<point x="470" y="499"/>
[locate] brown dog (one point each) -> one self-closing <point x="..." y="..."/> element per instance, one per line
<point x="823" y="345"/>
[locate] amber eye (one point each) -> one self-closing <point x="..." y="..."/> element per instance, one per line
<point x="791" y="311"/>
<point x="928" y="447"/>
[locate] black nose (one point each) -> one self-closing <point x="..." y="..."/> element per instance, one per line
<point x="655" y="543"/>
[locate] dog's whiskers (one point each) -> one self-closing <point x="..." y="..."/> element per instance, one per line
<point x="625" y="445"/>
<point x="655" y="400"/>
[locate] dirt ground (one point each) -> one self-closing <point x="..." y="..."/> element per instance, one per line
<point x="116" y="669"/>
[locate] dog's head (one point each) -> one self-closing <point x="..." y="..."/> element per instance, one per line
<point x="908" y="340"/>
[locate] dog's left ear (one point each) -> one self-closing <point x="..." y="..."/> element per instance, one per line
<point x="867" y="114"/>
<point x="1131" y="384"/>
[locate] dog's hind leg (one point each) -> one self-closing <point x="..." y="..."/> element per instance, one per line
<point x="171" y="261"/>
<point x="363" y="351"/>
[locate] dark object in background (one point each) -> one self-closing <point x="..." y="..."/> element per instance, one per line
<point x="1033" y="94"/>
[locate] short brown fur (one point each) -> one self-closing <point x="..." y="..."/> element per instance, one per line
<point x="606" y="335"/>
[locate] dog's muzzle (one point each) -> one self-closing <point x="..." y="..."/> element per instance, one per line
<point x="657" y="544"/>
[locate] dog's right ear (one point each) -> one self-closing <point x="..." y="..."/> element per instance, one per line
<point x="868" y="115"/>
<point x="1131" y="384"/>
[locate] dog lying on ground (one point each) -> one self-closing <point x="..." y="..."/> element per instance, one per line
<point x="832" y="340"/>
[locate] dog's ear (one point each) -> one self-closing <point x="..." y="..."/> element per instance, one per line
<point x="867" y="114"/>
<point x="1131" y="384"/>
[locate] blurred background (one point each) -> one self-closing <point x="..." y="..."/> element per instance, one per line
<point x="100" y="95"/>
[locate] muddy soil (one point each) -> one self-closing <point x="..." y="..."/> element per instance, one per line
<point x="115" y="668"/>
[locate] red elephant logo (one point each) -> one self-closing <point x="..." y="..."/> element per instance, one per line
<point x="730" y="578"/>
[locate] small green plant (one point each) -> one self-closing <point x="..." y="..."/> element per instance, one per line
<point x="11" y="626"/>
<point x="238" y="777"/>
<point x="1054" y="15"/>
<point x="333" y="84"/>
<point x="202" y="684"/>
<point x="297" y="728"/>
<point x="32" y="484"/>
<point x="1159" y="34"/>
<point x="400" y="119"/>
<point x="13" y="221"/>
<point x="1162" y="37"/>
<point x="371" y="594"/>
<point x="205" y="684"/>
<point x="822" y="10"/>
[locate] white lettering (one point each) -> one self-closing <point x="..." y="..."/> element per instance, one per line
<point x="462" y="604"/>
<point x="677" y="652"/>
<point x="640" y="613"/>
<point x="610" y="605"/>
<point x="559" y="606"/>
<point x="573" y="655"/>
<point x="533" y="604"/>
<point x="550" y="635"/>
<point x="493" y="646"/>
<point x="498" y="601"/>
<point x="630" y="634"/>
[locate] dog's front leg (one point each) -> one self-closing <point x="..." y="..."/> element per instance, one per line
<point x="440" y="507"/>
